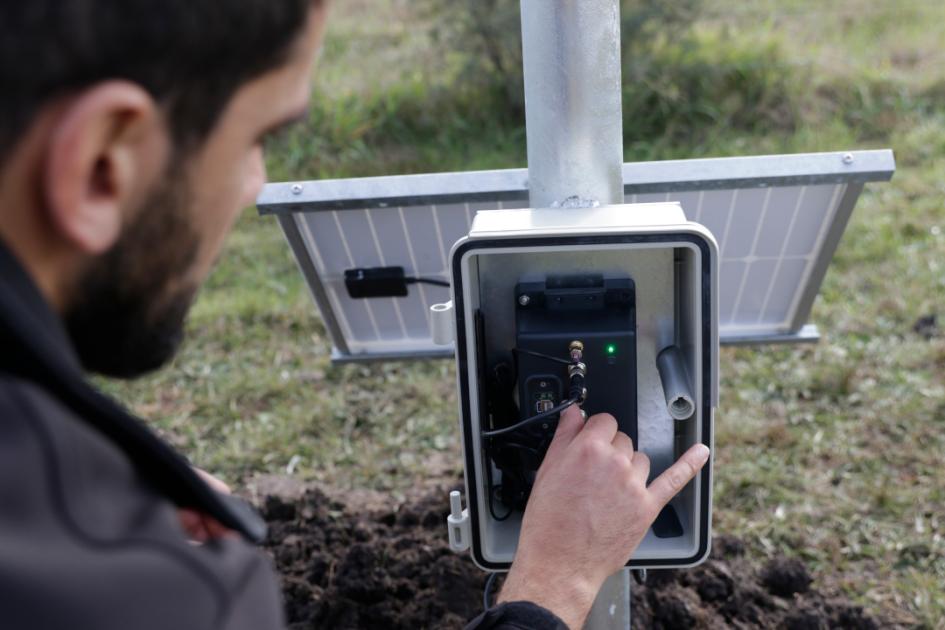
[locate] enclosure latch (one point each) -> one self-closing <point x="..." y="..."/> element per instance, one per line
<point x="458" y="523"/>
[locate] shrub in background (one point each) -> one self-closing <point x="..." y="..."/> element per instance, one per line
<point x="685" y="85"/>
<point x="486" y="36"/>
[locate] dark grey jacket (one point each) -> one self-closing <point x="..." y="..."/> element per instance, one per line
<point x="89" y="533"/>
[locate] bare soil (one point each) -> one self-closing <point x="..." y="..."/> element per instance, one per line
<point x="351" y="562"/>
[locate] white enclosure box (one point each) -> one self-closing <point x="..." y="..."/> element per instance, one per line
<point x="666" y="269"/>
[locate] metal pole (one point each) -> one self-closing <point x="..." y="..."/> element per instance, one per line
<point x="571" y="58"/>
<point x="574" y="126"/>
<point x="611" y="608"/>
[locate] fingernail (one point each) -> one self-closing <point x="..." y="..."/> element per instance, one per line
<point x="703" y="453"/>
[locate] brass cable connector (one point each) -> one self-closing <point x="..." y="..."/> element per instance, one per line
<point x="577" y="372"/>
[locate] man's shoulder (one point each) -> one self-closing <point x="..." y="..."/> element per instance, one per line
<point x="74" y="497"/>
<point x="16" y="393"/>
<point x="59" y="459"/>
<point x="24" y="402"/>
<point x="30" y="412"/>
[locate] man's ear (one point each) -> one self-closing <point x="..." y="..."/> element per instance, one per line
<point x="104" y="153"/>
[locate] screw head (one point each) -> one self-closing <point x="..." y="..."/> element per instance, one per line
<point x="296" y="189"/>
<point x="848" y="158"/>
<point x="524" y="300"/>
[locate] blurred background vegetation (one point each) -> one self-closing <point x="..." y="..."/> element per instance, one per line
<point x="439" y="82"/>
<point x="832" y="452"/>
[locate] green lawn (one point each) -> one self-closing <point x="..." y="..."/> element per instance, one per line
<point x="832" y="452"/>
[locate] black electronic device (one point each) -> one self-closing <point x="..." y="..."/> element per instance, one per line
<point x="575" y="344"/>
<point x="600" y="313"/>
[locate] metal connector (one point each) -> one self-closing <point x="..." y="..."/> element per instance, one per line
<point x="577" y="369"/>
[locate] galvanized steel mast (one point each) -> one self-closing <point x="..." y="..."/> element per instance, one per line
<point x="571" y="58"/>
<point x="574" y="126"/>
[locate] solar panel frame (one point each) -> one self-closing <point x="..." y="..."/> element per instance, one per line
<point x="293" y="202"/>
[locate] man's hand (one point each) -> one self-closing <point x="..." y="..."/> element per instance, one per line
<point x="198" y="526"/>
<point x="588" y="511"/>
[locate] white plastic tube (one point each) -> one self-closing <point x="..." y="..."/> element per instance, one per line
<point x="441" y="323"/>
<point x="676" y="386"/>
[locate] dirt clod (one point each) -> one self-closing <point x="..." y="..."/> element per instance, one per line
<point x="805" y="620"/>
<point x="346" y="565"/>
<point x="786" y="576"/>
<point x="926" y="326"/>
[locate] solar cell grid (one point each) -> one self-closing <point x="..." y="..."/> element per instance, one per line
<point x="776" y="233"/>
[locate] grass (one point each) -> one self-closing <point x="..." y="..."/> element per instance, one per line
<point x="831" y="452"/>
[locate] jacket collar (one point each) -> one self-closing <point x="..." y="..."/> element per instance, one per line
<point x="37" y="348"/>
<point x="23" y="308"/>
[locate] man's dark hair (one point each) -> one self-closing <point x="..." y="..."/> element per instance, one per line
<point x="191" y="55"/>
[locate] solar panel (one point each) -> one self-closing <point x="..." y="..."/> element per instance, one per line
<point x="777" y="219"/>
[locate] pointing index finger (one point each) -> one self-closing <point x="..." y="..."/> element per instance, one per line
<point x="675" y="478"/>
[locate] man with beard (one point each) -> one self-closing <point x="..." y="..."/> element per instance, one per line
<point x="130" y="138"/>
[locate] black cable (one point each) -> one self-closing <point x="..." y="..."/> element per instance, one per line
<point x="541" y="356"/>
<point x="487" y="591"/>
<point x="492" y="490"/>
<point x="434" y="281"/>
<point x="529" y="421"/>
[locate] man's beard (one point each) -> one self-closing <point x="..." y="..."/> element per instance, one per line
<point x="128" y="308"/>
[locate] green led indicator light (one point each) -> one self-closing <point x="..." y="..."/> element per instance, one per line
<point x="611" y="348"/>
